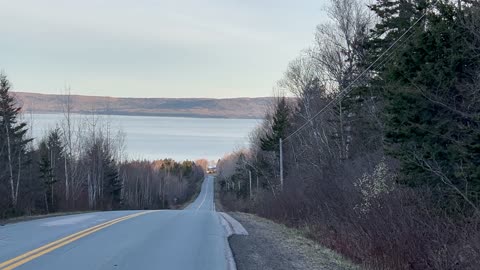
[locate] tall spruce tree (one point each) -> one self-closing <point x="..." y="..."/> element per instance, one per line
<point x="431" y="126"/>
<point x="279" y="126"/>
<point x="13" y="141"/>
<point x="111" y="180"/>
<point x="47" y="175"/>
<point x="52" y="154"/>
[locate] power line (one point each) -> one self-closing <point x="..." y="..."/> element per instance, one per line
<point x="347" y="89"/>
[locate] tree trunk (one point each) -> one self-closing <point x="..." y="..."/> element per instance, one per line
<point x="46" y="201"/>
<point x="67" y="185"/>
<point x="343" y="143"/>
<point x="10" y="166"/>
<point x="51" y="195"/>
<point x="18" y="176"/>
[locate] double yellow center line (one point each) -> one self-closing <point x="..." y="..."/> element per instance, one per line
<point x="32" y="254"/>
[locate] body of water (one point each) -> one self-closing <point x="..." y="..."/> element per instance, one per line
<point x="180" y="138"/>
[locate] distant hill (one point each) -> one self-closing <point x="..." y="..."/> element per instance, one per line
<point x="188" y="107"/>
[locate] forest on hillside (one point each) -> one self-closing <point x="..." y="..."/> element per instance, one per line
<point x="381" y="149"/>
<point x="252" y="108"/>
<point x="81" y="165"/>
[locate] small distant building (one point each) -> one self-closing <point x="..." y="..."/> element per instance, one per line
<point x="211" y="169"/>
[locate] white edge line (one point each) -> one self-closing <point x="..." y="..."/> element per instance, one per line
<point x="204" y="196"/>
<point x="231" y="226"/>
<point x="235" y="226"/>
<point x="231" y="265"/>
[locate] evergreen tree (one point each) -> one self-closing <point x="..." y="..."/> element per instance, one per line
<point x="47" y="175"/>
<point x="13" y="141"/>
<point x="431" y="125"/>
<point x="113" y="185"/>
<point x="395" y="17"/>
<point x="56" y="148"/>
<point x="279" y="127"/>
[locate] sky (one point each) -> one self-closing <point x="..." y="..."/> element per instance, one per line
<point x="154" y="48"/>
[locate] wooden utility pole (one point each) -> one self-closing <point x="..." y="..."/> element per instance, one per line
<point x="250" y="182"/>
<point x="281" y="165"/>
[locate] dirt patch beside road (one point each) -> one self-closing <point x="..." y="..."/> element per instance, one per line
<point x="272" y="246"/>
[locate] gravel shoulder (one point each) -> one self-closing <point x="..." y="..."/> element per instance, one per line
<point x="274" y="246"/>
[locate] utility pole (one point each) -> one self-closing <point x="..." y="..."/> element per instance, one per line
<point x="281" y="165"/>
<point x="250" y="181"/>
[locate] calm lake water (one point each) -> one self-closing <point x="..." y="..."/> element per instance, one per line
<point x="180" y="138"/>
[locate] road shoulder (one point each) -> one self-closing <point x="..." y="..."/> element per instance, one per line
<point x="273" y="246"/>
<point x="35" y="217"/>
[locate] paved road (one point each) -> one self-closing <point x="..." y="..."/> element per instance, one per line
<point x="193" y="238"/>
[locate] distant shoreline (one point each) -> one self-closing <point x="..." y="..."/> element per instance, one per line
<point x="147" y="115"/>
<point x="227" y="108"/>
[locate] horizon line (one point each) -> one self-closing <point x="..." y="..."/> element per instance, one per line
<point x="131" y="97"/>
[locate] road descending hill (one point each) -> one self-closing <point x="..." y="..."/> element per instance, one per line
<point x="194" y="238"/>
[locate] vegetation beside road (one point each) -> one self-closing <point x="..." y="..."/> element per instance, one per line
<point x="273" y="246"/>
<point x="81" y="166"/>
<point x="381" y="148"/>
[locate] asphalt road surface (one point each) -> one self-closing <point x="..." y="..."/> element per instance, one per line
<point x="194" y="238"/>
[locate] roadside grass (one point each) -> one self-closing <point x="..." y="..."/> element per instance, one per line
<point x="216" y="198"/>
<point x="291" y="239"/>
<point x="297" y="240"/>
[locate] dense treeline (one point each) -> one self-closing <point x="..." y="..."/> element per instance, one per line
<point x="388" y="173"/>
<point x="81" y="165"/>
<point x="160" y="184"/>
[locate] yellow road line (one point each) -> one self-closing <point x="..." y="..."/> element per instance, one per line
<point x="56" y="242"/>
<point x="30" y="255"/>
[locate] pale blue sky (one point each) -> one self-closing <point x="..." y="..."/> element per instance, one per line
<point x="154" y="48"/>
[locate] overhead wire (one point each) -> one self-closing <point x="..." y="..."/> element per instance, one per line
<point x="348" y="89"/>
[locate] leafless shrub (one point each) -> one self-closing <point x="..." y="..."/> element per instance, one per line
<point x="340" y="187"/>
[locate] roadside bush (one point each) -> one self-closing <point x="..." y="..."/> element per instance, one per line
<point x="381" y="164"/>
<point x="402" y="228"/>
